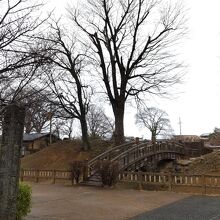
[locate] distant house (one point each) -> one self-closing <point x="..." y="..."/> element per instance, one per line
<point x="193" y="144"/>
<point x="213" y="141"/>
<point x="36" y="141"/>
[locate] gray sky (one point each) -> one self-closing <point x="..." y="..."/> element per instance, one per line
<point x="198" y="104"/>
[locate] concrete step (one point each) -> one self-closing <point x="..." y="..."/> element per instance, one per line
<point x="94" y="180"/>
<point x="91" y="183"/>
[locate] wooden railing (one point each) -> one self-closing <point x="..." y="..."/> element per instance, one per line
<point x="134" y="152"/>
<point x="204" y="182"/>
<point x="37" y="175"/>
<point x="108" y="155"/>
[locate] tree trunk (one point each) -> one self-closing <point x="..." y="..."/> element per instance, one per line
<point x="153" y="137"/>
<point x="119" y="125"/>
<point x="10" y="148"/>
<point x="85" y="139"/>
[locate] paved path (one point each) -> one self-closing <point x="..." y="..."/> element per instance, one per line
<point x="191" y="208"/>
<point x="56" y="202"/>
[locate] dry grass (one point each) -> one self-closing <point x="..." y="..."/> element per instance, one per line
<point x="209" y="164"/>
<point x="61" y="154"/>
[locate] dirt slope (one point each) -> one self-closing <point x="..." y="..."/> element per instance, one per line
<point x="209" y="164"/>
<point x="60" y="155"/>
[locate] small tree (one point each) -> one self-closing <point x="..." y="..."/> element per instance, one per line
<point x="76" y="169"/>
<point x="99" y="124"/>
<point x="155" y="120"/>
<point x="108" y="171"/>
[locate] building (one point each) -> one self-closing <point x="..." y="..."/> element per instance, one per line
<point x="213" y="141"/>
<point x="193" y="144"/>
<point x="36" y="141"/>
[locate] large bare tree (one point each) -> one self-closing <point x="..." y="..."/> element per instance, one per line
<point x="68" y="76"/>
<point x="132" y="44"/>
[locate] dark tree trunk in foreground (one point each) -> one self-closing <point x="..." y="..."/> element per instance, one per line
<point x="13" y="126"/>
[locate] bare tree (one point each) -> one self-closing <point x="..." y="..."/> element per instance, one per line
<point x="100" y="125"/>
<point x="132" y="44"/>
<point x="155" y="120"/>
<point x="19" y="62"/>
<point x="63" y="127"/>
<point x="68" y="128"/>
<point x="67" y="78"/>
<point x="38" y="113"/>
<point x="19" y="24"/>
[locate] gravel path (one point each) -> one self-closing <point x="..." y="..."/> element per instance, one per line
<point x="56" y="202"/>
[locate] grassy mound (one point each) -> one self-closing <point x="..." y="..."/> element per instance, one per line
<point x="209" y="164"/>
<point x="61" y="154"/>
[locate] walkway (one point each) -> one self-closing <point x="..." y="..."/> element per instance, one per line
<point x="56" y="202"/>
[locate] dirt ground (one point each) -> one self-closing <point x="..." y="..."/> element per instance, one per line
<point x="59" y="202"/>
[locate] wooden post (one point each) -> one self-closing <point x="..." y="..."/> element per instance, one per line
<point x="170" y="181"/>
<point x="54" y="176"/>
<point x="137" y="141"/>
<point x="203" y="184"/>
<point x="10" y="153"/>
<point x="140" y="181"/>
<point x="36" y="176"/>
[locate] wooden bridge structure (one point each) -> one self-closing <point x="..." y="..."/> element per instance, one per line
<point x="134" y="155"/>
<point x="131" y="156"/>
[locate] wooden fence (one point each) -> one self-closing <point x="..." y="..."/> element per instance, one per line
<point x="200" y="183"/>
<point x="38" y="175"/>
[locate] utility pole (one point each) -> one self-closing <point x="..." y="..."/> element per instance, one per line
<point x="180" y="124"/>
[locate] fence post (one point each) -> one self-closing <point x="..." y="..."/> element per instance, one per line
<point x="137" y="141"/>
<point x="54" y="176"/>
<point x="170" y="180"/>
<point x="36" y="176"/>
<point x="140" y="180"/>
<point x="203" y="184"/>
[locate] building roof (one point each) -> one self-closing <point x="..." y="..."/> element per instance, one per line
<point x="205" y="135"/>
<point x="34" y="136"/>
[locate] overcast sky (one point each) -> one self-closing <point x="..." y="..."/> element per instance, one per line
<point x="198" y="105"/>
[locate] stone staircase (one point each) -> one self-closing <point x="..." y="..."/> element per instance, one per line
<point x="93" y="180"/>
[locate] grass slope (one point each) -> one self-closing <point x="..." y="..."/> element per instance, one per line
<point x="209" y="164"/>
<point x="59" y="155"/>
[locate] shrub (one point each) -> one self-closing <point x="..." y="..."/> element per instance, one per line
<point x="76" y="170"/>
<point x="108" y="171"/>
<point x="23" y="201"/>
